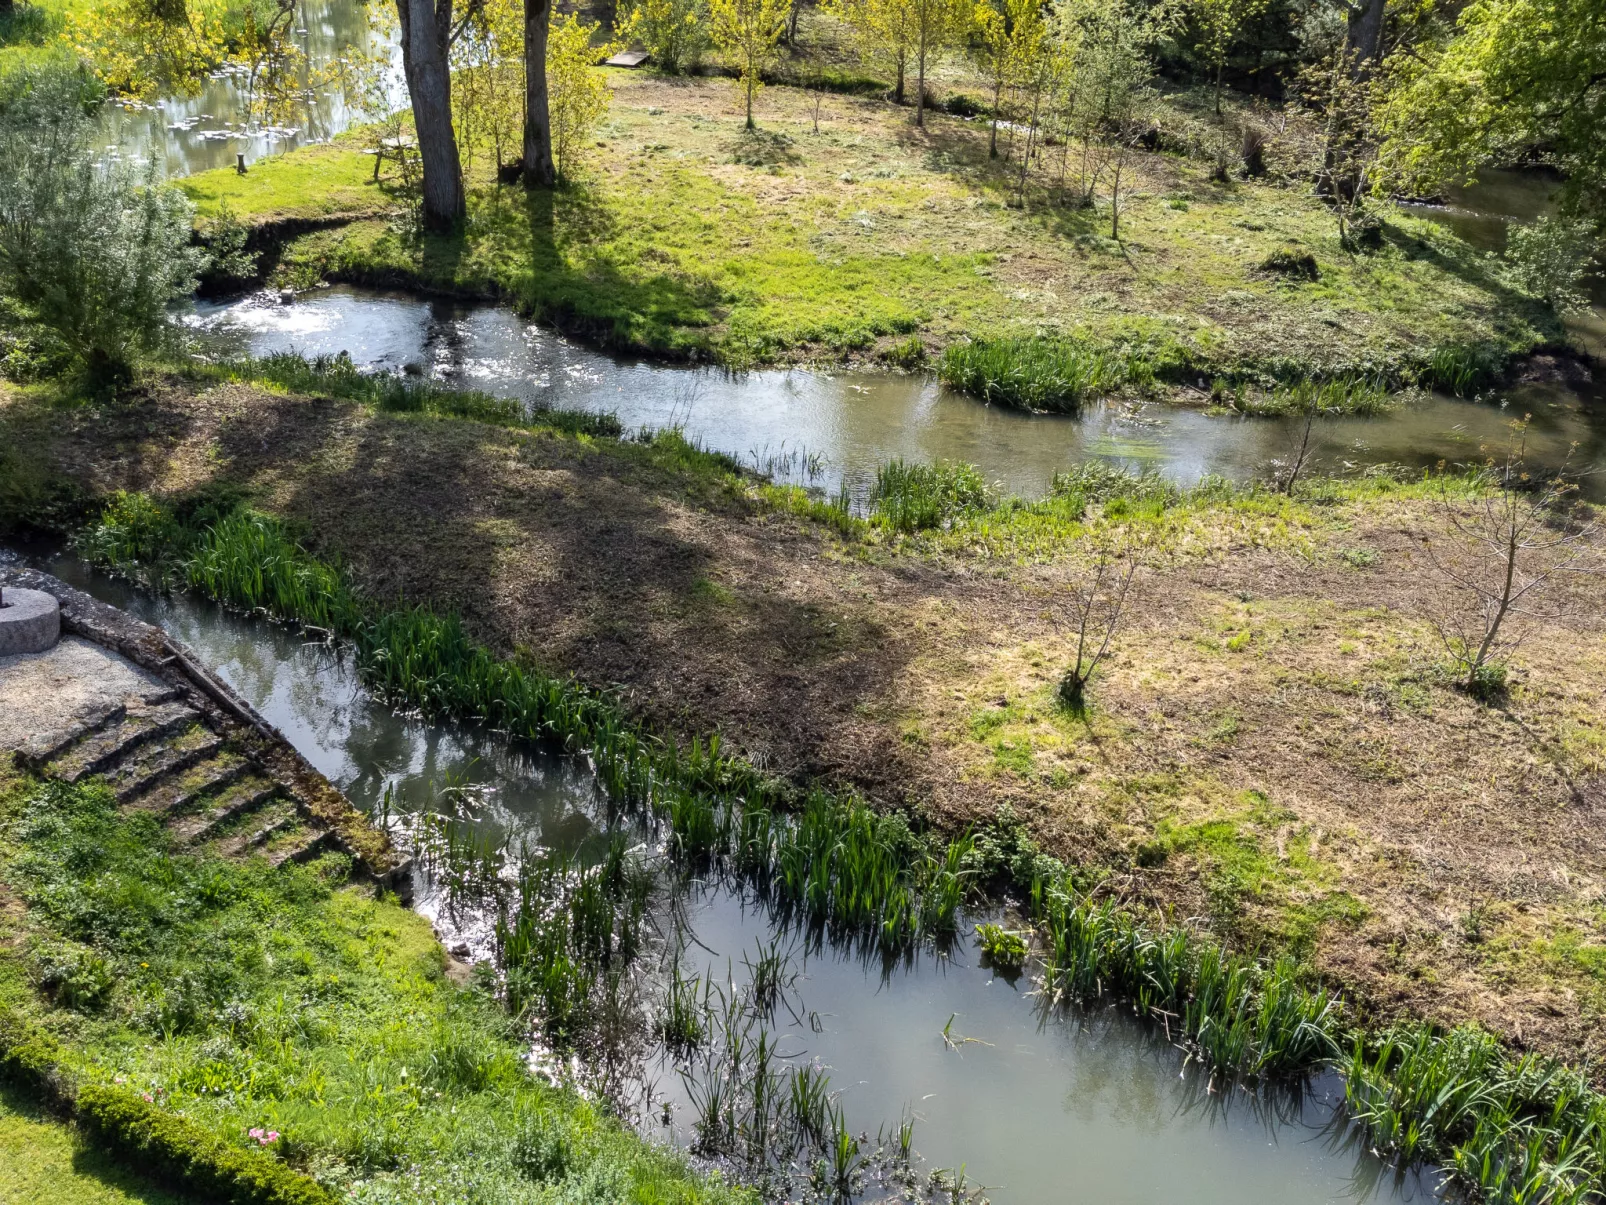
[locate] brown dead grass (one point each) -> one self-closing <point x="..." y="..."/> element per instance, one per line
<point x="1313" y="782"/>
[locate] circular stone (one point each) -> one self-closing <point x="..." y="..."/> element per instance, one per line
<point x="30" y="621"/>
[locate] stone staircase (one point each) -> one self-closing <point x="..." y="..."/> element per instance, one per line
<point x="159" y="755"/>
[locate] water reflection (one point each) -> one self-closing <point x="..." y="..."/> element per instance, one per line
<point x="854" y="422"/>
<point x="188" y="134"/>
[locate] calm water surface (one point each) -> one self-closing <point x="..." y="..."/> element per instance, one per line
<point x="854" y="422"/>
<point x="1090" y="1107"/>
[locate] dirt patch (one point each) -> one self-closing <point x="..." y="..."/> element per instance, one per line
<point x="1272" y="750"/>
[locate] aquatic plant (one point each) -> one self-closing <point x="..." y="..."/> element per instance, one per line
<point x="1043" y="374"/>
<point x="1006" y="949"/>
<point x="915" y="497"/>
<point x="1353" y="395"/>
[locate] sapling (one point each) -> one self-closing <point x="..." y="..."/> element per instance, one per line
<point x="1503" y="550"/>
<point x="1095" y="606"/>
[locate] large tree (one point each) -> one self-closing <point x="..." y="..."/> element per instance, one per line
<point x="427" y="34"/>
<point x="539" y="169"/>
<point x="1515" y="77"/>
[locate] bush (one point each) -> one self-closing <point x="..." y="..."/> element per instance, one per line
<point x="90" y="252"/>
<point x="1549" y="258"/>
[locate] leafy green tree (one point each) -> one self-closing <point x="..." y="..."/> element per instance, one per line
<point x="1515" y="76"/>
<point x="93" y="254"/>
<point x="1549" y="259"/>
<point x="747" y="31"/>
<point x="1218" y="24"/>
<point x="883" y="33"/>
<point x="674" y="32"/>
<point x="1011" y="42"/>
<point x="939" y="25"/>
<point x="579" y="92"/>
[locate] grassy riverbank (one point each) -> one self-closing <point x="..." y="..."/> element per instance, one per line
<point x="286" y="1011"/>
<point x="1273" y="748"/>
<point x="687" y="237"/>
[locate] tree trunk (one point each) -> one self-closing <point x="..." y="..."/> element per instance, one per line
<point x="920" y="83"/>
<point x="426" y="31"/>
<point x="998" y="96"/>
<point x="897" y="91"/>
<point x="1365" y="34"/>
<point x="539" y="169"/>
<point x="791" y="24"/>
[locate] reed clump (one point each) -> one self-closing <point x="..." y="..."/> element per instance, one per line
<point x="1046" y="374"/>
<point x="1364" y="397"/>
<point x="918" y="497"/>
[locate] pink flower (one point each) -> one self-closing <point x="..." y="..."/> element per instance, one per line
<point x="255" y="1131"/>
<point x="146" y="1095"/>
<point x="119" y="1079"/>
<point x="273" y="1135"/>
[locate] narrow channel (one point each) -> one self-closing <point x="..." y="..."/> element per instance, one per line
<point x="1080" y="1106"/>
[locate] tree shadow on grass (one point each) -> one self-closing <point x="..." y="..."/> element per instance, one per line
<point x="590" y="275"/>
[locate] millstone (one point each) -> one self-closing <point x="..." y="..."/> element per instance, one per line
<point x="30" y="621"/>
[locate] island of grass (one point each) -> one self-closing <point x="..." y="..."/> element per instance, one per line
<point x="875" y="241"/>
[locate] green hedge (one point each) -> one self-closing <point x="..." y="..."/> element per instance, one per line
<point x="162" y="1145"/>
<point x="174" y="1149"/>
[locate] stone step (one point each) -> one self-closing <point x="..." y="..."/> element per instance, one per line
<point x="40" y="748"/>
<point x="105" y="746"/>
<point x="304" y="845"/>
<point x="256" y="829"/>
<point x="179" y="791"/>
<point x="155" y="761"/>
<point x="244" y="794"/>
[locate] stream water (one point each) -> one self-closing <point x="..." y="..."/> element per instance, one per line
<point x="195" y="133"/>
<point x="1086" y="1106"/>
<point x="827" y="428"/>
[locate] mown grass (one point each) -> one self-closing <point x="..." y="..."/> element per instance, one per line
<point x="1529" y="1129"/>
<point x="289" y="1002"/>
<point x="853" y="240"/>
<point x="44" y="1161"/>
<point x="316" y="182"/>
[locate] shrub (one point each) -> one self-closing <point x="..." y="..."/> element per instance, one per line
<point x="177" y="1150"/>
<point x="91" y="252"/>
<point x="1549" y="258"/>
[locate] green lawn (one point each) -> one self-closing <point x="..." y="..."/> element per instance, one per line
<point x="687" y="237"/>
<point x="43" y="1162"/>
<point x="288" y="1001"/>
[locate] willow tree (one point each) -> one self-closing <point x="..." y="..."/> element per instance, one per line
<point x="747" y="31"/>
